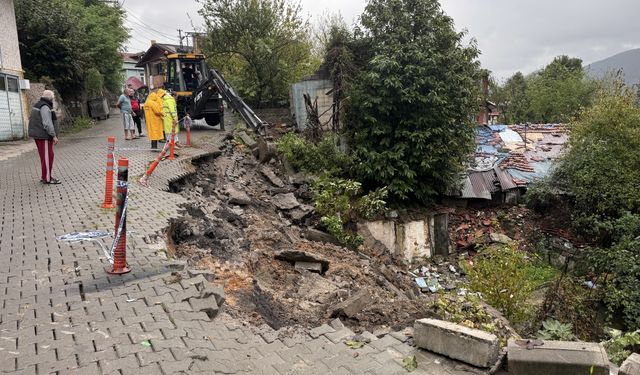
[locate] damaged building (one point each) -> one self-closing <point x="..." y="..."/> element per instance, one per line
<point x="507" y="159"/>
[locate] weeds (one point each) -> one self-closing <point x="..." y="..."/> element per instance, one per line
<point x="506" y="277"/>
<point x="554" y="330"/>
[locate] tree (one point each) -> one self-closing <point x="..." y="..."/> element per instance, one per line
<point x="62" y="40"/>
<point x="410" y="108"/>
<point x="601" y="172"/>
<point x="261" y="45"/>
<point x="516" y="106"/>
<point x="558" y="92"/>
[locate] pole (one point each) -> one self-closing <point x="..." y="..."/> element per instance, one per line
<point x="120" y="254"/>
<point x="108" y="191"/>
<point x="172" y="142"/>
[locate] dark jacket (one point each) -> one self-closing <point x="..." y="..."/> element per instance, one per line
<point x="43" y="123"/>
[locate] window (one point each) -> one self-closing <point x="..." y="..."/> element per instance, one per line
<point x="3" y="85"/>
<point x="12" y="84"/>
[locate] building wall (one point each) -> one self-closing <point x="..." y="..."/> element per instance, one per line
<point x="10" y="62"/>
<point x="130" y="70"/>
<point x="315" y="89"/>
<point x="10" y="53"/>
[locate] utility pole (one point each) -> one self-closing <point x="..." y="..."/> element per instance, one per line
<point x="180" y="35"/>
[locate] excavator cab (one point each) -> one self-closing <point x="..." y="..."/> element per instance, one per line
<point x="188" y="78"/>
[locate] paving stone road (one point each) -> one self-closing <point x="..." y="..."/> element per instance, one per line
<point x="61" y="313"/>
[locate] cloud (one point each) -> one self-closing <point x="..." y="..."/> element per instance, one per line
<point x="513" y="35"/>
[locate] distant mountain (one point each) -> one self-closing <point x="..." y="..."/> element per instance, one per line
<point x="628" y="61"/>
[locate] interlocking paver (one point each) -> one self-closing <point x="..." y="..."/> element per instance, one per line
<point x="61" y="312"/>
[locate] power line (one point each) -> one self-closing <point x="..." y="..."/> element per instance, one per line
<point x="145" y="24"/>
<point x="146" y="33"/>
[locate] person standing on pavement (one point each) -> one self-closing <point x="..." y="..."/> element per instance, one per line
<point x="170" y="115"/>
<point x="136" y="112"/>
<point x="124" y="103"/>
<point x="43" y="128"/>
<point x="153" y="117"/>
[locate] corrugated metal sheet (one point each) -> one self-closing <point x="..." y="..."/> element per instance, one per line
<point x="475" y="186"/>
<point x="505" y="179"/>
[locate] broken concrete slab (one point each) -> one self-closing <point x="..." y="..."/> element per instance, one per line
<point x="472" y="346"/>
<point x="247" y="140"/>
<point x="353" y="305"/>
<point x="294" y="256"/>
<point x="286" y="201"/>
<point x="208" y="305"/>
<point x="500" y="238"/>
<point x="320" y="236"/>
<point x="237" y="197"/>
<point x="631" y="366"/>
<point x="309" y="266"/>
<point x="557" y="358"/>
<point x="208" y="290"/>
<point x="207" y="274"/>
<point x="275" y="180"/>
<point x="301" y="212"/>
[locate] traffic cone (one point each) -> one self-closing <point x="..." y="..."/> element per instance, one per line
<point x="154" y="164"/>
<point x="120" y="254"/>
<point x="108" y="191"/>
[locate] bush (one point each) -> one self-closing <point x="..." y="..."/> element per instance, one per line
<point x="620" y="348"/>
<point x="325" y="157"/>
<point x="554" y="330"/>
<point x="506" y="277"/>
<point x="339" y="201"/>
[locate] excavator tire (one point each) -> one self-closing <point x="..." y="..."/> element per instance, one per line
<point x="214" y="119"/>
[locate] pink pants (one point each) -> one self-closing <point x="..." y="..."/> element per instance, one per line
<point x="45" y="150"/>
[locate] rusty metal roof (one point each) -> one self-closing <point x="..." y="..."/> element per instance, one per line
<point x="505" y="179"/>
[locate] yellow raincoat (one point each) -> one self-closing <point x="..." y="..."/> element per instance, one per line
<point x="170" y="112"/>
<point x="153" y="117"/>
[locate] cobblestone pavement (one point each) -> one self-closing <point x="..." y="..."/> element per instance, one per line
<point x="61" y="313"/>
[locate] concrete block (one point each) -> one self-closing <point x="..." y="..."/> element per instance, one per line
<point x="383" y="231"/>
<point x="631" y="366"/>
<point x="309" y="266"/>
<point x="472" y="346"/>
<point x="413" y="240"/>
<point x="557" y="358"/>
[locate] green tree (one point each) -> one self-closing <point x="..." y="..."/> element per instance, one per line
<point x="516" y="106"/>
<point x="601" y="173"/>
<point x="62" y="40"/>
<point x="558" y="92"/>
<point x="261" y="45"/>
<point x="410" y="108"/>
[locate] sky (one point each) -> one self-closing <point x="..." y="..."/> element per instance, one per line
<point x="513" y="35"/>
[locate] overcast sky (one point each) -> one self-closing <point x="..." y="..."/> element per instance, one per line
<point x="513" y="35"/>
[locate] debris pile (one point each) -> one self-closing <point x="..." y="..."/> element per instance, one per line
<point x="255" y="232"/>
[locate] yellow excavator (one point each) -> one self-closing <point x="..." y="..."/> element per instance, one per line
<point x="196" y="92"/>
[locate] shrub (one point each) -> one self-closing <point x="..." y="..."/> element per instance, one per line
<point x="621" y="347"/>
<point x="506" y="277"/>
<point x="325" y="157"/>
<point x="339" y="201"/>
<point x="554" y="330"/>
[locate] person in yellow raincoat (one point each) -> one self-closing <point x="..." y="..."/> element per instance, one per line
<point x="170" y="114"/>
<point x="153" y="117"/>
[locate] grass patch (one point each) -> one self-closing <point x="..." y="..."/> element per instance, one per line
<point x="78" y="124"/>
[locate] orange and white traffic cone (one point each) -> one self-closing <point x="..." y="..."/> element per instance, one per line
<point x="108" y="191"/>
<point x="144" y="179"/>
<point x="120" y="254"/>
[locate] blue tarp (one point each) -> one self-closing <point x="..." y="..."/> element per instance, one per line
<point x="498" y="128"/>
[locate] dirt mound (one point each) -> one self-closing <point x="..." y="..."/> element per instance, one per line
<point x="241" y="214"/>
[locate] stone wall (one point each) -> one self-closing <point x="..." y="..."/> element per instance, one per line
<point x="35" y="93"/>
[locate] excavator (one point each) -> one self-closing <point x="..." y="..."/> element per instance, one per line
<point x="200" y="91"/>
<point x="188" y="77"/>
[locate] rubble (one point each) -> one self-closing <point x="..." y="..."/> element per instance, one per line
<point x="257" y="234"/>
<point x="286" y="201"/>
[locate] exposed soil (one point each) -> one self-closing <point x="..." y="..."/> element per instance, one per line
<point x="232" y="225"/>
